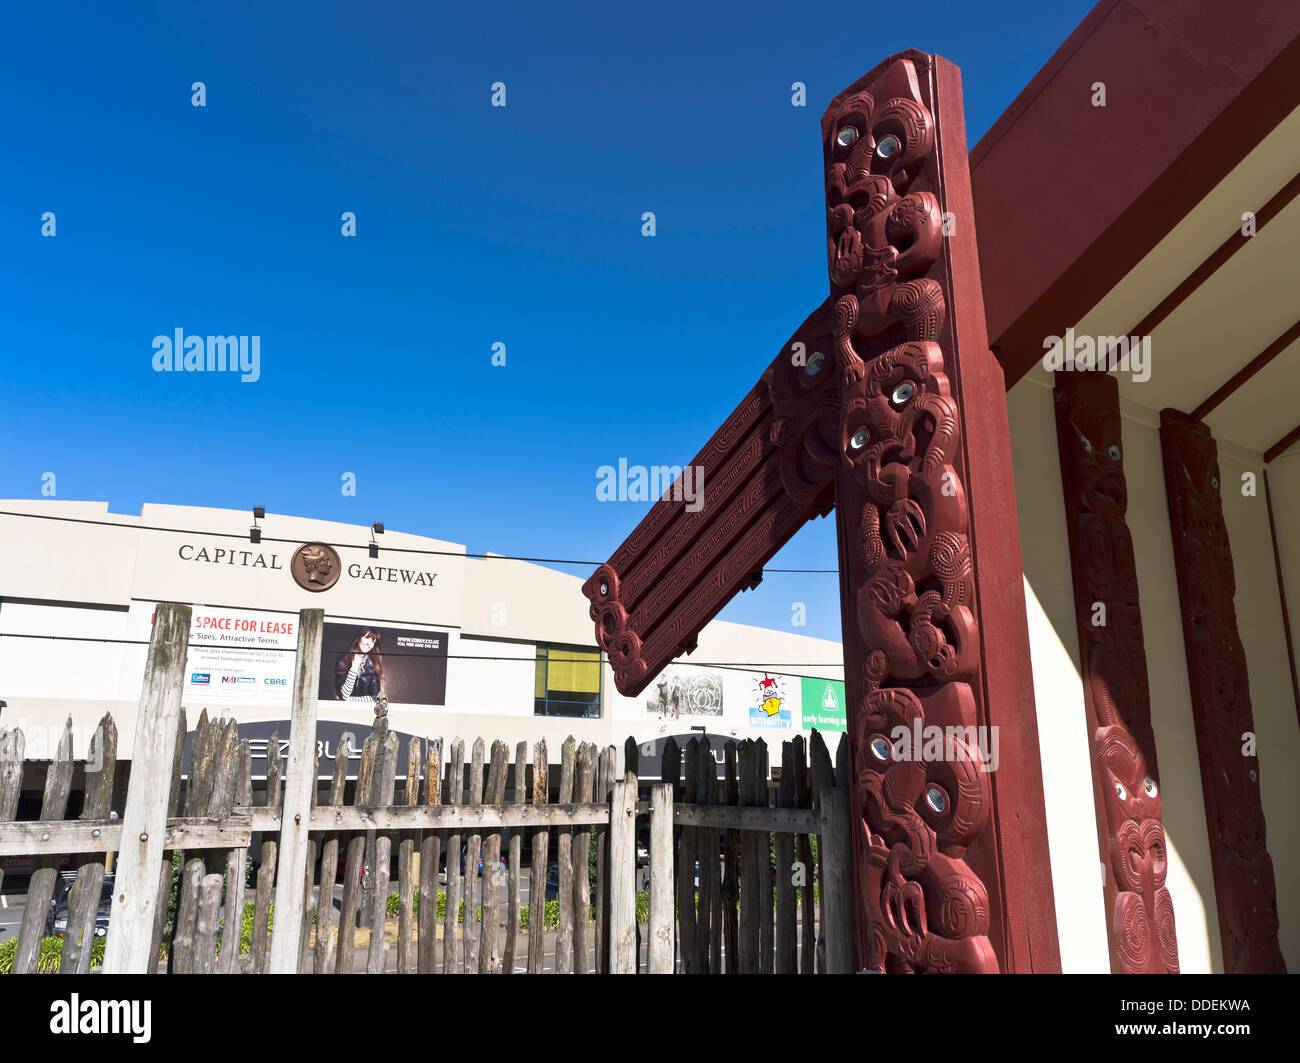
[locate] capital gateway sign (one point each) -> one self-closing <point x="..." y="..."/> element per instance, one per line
<point x="314" y="566"/>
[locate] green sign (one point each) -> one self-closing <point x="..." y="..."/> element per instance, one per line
<point x="823" y="705"/>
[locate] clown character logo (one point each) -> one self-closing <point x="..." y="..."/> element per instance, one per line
<point x="768" y="704"/>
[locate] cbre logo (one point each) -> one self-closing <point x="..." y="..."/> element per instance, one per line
<point x="200" y="678"/>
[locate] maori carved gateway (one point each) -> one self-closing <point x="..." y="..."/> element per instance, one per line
<point x="886" y="405"/>
<point x="1216" y="665"/>
<point x="1112" y="664"/>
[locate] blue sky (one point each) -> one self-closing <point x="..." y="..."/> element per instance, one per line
<point x="475" y="225"/>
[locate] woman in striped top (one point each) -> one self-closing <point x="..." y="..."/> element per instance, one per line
<point x="359" y="673"/>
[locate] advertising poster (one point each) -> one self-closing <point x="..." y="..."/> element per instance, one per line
<point x="236" y="653"/>
<point x="823" y="704"/>
<point x="359" y="660"/>
<point x="769" y="702"/>
<point x="684" y="691"/>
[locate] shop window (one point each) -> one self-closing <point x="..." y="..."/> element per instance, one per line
<point x="568" y="681"/>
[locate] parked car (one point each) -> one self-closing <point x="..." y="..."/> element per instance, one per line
<point x="552" y="881"/>
<point x="505" y="865"/>
<point x="56" y="921"/>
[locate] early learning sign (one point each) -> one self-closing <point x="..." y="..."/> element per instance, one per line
<point x="823" y="704"/>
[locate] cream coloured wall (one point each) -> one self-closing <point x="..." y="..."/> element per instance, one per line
<point x="1191" y="881"/>
<point x="1058" y="690"/>
<point x="1062" y="723"/>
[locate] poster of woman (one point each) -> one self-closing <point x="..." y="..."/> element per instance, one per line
<point x="360" y="661"/>
<point x="359" y="672"/>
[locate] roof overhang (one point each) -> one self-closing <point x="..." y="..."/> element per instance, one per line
<point x="1071" y="197"/>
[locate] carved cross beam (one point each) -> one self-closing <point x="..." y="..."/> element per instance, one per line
<point x="886" y="405"/>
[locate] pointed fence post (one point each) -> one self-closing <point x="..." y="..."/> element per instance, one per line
<point x="300" y="784"/>
<point x="144" y="820"/>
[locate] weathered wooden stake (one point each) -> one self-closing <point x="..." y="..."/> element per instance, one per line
<point x="660" y="929"/>
<point x="286" y="941"/>
<point x="537" y="881"/>
<point x="135" y="888"/>
<point x="622" y="877"/>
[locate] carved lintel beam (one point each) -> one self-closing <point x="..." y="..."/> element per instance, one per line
<point x="765" y="473"/>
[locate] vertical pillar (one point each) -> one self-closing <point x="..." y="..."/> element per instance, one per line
<point x="1244" y="889"/>
<point x="1113" y="666"/>
<point x="949" y="832"/>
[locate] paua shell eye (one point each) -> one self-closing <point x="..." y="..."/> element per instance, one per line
<point x="1214" y="483"/>
<point x="1119" y="789"/>
<point x="888" y="146"/>
<point x="936" y="799"/>
<point x="902" y="393"/>
<point x="1113" y="451"/>
<point x="1151" y="787"/>
<point x="815" y="362"/>
<point x="881" y="748"/>
<point x="846" y="136"/>
<point x="859" y="439"/>
<point x="1087" y="443"/>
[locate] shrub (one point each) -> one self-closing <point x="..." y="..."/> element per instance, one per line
<point x="49" y="956"/>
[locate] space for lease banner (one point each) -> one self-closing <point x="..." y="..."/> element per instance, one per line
<point x="236" y="653"/>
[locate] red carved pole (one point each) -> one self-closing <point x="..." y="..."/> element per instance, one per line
<point x="1112" y="663"/>
<point x="951" y="858"/>
<point x="887" y="404"/>
<point x="1244" y="888"/>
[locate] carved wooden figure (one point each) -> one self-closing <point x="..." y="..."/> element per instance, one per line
<point x="1216" y="667"/>
<point x="887" y="405"/>
<point x="1112" y="664"/>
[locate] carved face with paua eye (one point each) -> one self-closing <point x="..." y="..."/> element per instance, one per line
<point x="878" y="136"/>
<point x="1094" y="441"/>
<point x="1132" y="796"/>
<point x="1199" y="468"/>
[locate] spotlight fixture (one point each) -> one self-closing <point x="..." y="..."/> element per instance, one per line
<point x="374" y="549"/>
<point x="255" y="533"/>
<point x="377" y="528"/>
<point x="259" y="512"/>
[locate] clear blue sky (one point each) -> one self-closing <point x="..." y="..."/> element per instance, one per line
<point x="474" y="225"/>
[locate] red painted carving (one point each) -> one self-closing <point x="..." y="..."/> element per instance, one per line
<point x="1216" y="666"/>
<point x="901" y="498"/>
<point x="864" y="410"/>
<point x="1113" y="666"/>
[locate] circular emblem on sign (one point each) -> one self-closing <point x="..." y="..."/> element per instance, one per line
<point x="316" y="567"/>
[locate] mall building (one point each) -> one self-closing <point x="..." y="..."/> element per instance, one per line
<point x="467" y="647"/>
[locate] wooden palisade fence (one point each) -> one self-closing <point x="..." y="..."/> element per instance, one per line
<point x="752" y="912"/>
